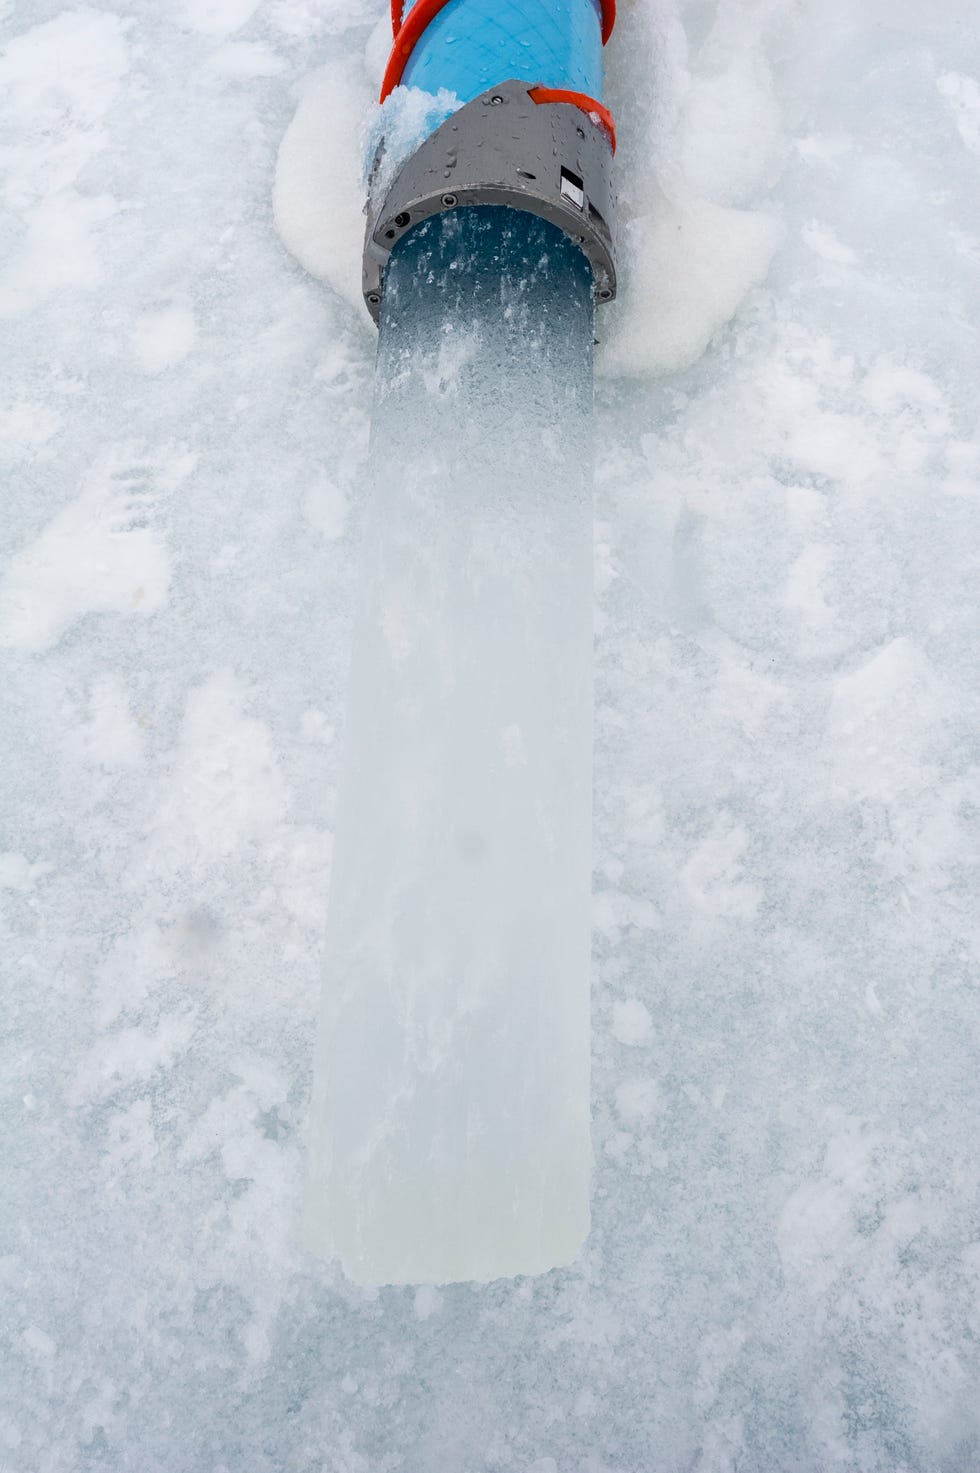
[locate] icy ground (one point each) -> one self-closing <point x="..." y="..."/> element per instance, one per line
<point x="784" y="1270"/>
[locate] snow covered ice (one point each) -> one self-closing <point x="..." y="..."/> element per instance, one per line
<point x="783" y="1270"/>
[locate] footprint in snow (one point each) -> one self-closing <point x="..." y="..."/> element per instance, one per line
<point x="103" y="553"/>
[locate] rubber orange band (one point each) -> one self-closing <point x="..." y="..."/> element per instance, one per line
<point x="595" y="111"/>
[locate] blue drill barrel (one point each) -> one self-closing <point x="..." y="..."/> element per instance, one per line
<point x="470" y="45"/>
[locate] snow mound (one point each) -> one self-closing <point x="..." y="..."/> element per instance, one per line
<point x="318" y="196"/>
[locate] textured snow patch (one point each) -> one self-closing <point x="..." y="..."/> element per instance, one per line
<point x="60" y="249"/>
<point x="25" y="427"/>
<point x="884" y="719"/>
<point x="809" y="393"/>
<point x="712" y="877"/>
<point x="325" y="507"/>
<point x="245" y="59"/>
<point x="816" y="1235"/>
<point x="62" y="76"/>
<point x="39" y="1341"/>
<point x="19" y="874"/>
<point x="637" y="1098"/>
<point x="109" y="737"/>
<point x="217" y="17"/>
<point x="824" y="243"/>
<point x="131" y="1054"/>
<point x="58" y="81"/>
<point x="631" y="1022"/>
<point x="226" y="788"/>
<point x="163" y="337"/>
<point x="102" y="554"/>
<point x="805" y="586"/>
<point x="318" y="196"/>
<point x="428" y="1301"/>
<point x="130" y="1142"/>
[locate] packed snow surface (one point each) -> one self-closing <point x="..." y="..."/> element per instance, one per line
<point x="783" y="1271"/>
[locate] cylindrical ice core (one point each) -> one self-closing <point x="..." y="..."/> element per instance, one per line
<point x="450" y="1120"/>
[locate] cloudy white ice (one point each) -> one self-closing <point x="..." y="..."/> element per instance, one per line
<point x="783" y="1271"/>
<point x="450" y="1125"/>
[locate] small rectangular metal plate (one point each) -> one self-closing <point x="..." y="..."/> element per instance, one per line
<point x="573" y="189"/>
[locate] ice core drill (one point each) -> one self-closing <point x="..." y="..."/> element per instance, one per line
<point x="531" y="133"/>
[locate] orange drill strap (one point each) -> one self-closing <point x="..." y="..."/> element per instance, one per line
<point x="597" y="114"/>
